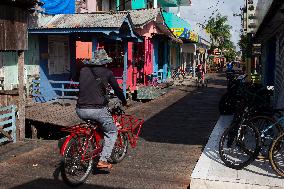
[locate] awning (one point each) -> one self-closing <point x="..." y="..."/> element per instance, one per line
<point x="173" y="21"/>
<point x="180" y="28"/>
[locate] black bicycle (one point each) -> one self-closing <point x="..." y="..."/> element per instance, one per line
<point x="249" y="137"/>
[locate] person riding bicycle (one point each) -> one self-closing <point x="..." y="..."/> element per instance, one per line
<point x="200" y="71"/>
<point x="92" y="103"/>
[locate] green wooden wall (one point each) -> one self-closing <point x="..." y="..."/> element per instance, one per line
<point x="10" y="62"/>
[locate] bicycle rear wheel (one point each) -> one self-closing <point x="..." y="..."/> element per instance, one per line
<point x="74" y="169"/>
<point x="276" y="155"/>
<point x="120" y="149"/>
<point x="239" y="145"/>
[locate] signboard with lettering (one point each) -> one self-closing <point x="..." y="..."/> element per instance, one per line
<point x="186" y="34"/>
<point x="181" y="32"/>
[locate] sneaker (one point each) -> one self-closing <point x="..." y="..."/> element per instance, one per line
<point x="104" y="165"/>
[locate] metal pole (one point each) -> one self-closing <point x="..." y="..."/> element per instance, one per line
<point x="125" y="68"/>
<point x="194" y="61"/>
<point x="22" y="96"/>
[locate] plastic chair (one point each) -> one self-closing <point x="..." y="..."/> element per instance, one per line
<point x="160" y="75"/>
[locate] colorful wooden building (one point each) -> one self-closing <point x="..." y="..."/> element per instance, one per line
<point x="13" y="44"/>
<point x="157" y="38"/>
<point x="60" y="38"/>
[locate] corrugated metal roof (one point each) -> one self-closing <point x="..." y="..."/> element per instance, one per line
<point x="104" y="20"/>
<point x="108" y="20"/>
<point x="144" y="16"/>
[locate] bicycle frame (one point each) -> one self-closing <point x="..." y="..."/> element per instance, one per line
<point x="279" y="121"/>
<point x="83" y="130"/>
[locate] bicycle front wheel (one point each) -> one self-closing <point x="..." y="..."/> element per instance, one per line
<point x="120" y="149"/>
<point x="276" y="153"/>
<point x="239" y="145"/>
<point x="77" y="161"/>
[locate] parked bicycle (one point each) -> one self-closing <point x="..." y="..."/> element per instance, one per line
<point x="251" y="105"/>
<point x="83" y="146"/>
<point x="230" y="76"/>
<point x="276" y="154"/>
<point x="201" y="82"/>
<point x="152" y="81"/>
<point x="177" y="72"/>
<point x="243" y="90"/>
<point x="261" y="136"/>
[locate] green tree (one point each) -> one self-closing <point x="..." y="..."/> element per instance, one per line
<point x="244" y="45"/>
<point x="220" y="36"/>
<point x="229" y="50"/>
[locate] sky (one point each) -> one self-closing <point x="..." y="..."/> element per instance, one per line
<point x="201" y="10"/>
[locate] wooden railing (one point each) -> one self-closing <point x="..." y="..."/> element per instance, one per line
<point x="8" y="124"/>
<point x="66" y="89"/>
<point x="63" y="89"/>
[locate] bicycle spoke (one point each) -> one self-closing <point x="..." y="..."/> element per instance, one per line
<point x="242" y="146"/>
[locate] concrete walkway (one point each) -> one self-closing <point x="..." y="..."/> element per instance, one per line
<point x="177" y="127"/>
<point x="211" y="172"/>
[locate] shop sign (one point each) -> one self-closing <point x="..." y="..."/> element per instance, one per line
<point x="181" y="32"/>
<point x="193" y="37"/>
<point x="186" y="34"/>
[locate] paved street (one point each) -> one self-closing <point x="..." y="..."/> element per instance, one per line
<point x="177" y="127"/>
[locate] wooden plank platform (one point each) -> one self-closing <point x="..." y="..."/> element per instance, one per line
<point x="52" y="113"/>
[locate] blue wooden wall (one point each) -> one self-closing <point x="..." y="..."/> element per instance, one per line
<point x="46" y="88"/>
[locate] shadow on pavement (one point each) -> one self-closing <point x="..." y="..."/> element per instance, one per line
<point x="190" y="120"/>
<point x="56" y="184"/>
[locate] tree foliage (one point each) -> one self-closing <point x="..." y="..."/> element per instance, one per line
<point x="244" y="45"/>
<point x="220" y="35"/>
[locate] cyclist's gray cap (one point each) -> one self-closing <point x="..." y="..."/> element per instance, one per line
<point x="100" y="58"/>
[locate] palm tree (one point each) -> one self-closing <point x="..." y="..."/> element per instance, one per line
<point x="220" y="36"/>
<point x="219" y="30"/>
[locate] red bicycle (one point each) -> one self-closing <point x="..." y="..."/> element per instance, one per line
<point x="82" y="148"/>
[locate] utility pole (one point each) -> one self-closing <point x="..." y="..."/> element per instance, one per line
<point x="250" y="25"/>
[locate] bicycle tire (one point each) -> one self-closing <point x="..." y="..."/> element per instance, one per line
<point x="66" y="176"/>
<point x="229" y="131"/>
<point x="261" y="122"/>
<point x="120" y="149"/>
<point x="272" y="155"/>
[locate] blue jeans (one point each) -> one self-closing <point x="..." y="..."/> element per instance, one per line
<point x="103" y="116"/>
